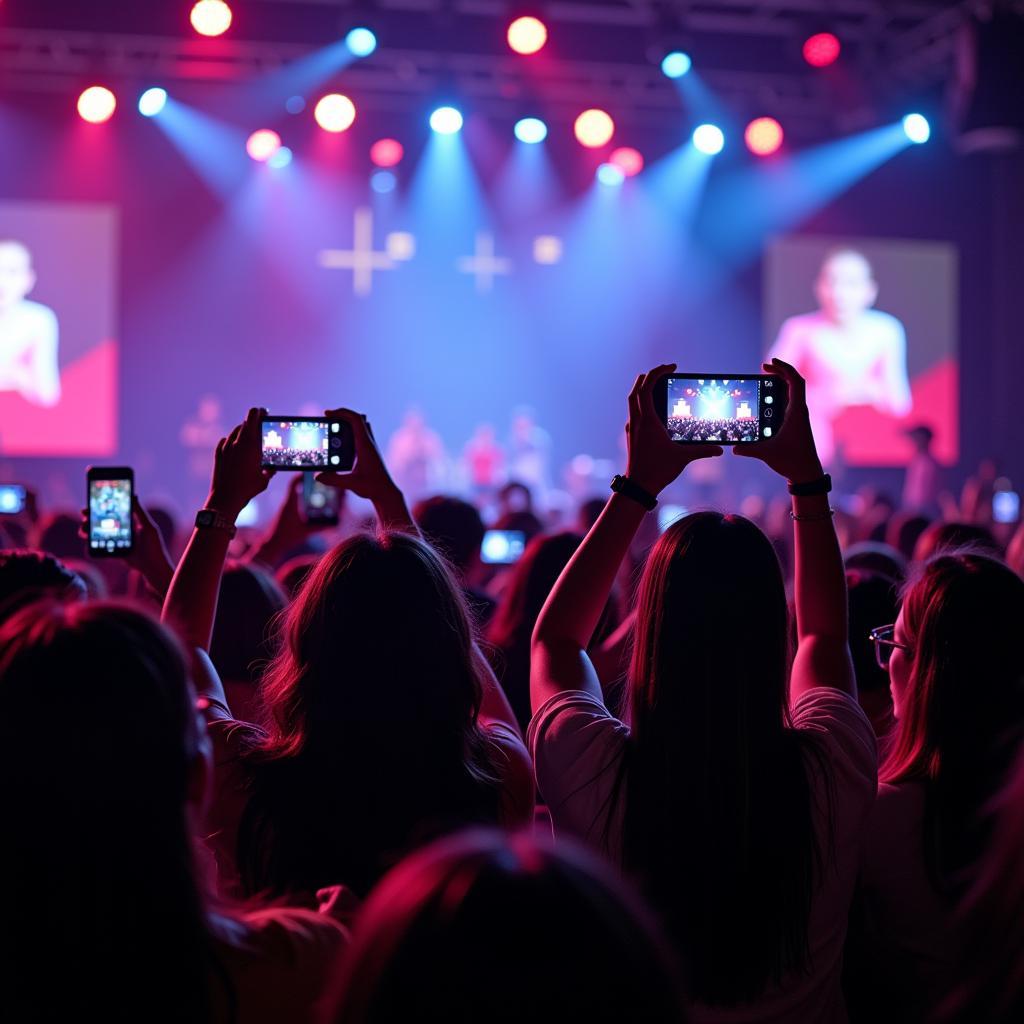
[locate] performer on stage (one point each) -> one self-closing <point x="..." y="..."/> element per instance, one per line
<point x="28" y="331"/>
<point x="849" y="353"/>
<point x="484" y="459"/>
<point x="416" y="457"/>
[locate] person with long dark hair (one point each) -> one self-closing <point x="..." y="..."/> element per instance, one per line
<point x="383" y="727"/>
<point x="733" y="798"/>
<point x="106" y="915"/>
<point x="956" y="667"/>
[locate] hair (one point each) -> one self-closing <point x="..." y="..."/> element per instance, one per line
<point x="873" y="601"/>
<point x="962" y="717"/>
<point x="371" y="741"/>
<point x="59" y="535"/>
<point x="875" y="557"/>
<point x="27" y="576"/>
<point x="718" y="822"/>
<point x="250" y="600"/>
<point x="511" y="629"/>
<point x="489" y="926"/>
<point x="293" y="573"/>
<point x="903" y="532"/>
<point x="940" y="537"/>
<point x="452" y="525"/>
<point x="97" y="849"/>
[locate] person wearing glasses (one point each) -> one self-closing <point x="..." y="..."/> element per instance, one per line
<point x="956" y="667"/>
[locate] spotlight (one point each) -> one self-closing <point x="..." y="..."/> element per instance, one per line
<point x="152" y="101"/>
<point x="446" y="121"/>
<point x="531" y="129"/>
<point x="335" y="113"/>
<point x="383" y="182"/>
<point x="594" y="128"/>
<point x="281" y="157"/>
<point x="610" y="174"/>
<point x="917" y="128"/>
<point x="211" y="17"/>
<point x="361" y="42"/>
<point x="821" y="49"/>
<point x="527" y="35"/>
<point x="263" y="144"/>
<point x="763" y="136"/>
<point x="96" y="104"/>
<point x="628" y="160"/>
<point x="708" y="138"/>
<point x="386" y="153"/>
<point x="676" y="64"/>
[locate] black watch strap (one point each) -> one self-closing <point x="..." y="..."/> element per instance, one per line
<point x="624" y="486"/>
<point x="820" y="486"/>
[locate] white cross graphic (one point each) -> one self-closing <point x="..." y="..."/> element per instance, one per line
<point x="362" y="259"/>
<point x="483" y="264"/>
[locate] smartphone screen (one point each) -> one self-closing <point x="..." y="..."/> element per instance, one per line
<point x="1005" y="506"/>
<point x="502" y="547"/>
<point x="721" y="410"/>
<point x="110" y="511"/>
<point x="320" y="503"/>
<point x="12" y="499"/>
<point x="310" y="442"/>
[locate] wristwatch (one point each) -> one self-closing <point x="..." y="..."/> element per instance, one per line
<point x="820" y="486"/>
<point x="624" y="486"/>
<point x="211" y="519"/>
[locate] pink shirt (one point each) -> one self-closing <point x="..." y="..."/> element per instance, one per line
<point x="577" y="747"/>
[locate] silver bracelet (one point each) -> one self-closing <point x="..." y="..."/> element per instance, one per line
<point x="817" y="517"/>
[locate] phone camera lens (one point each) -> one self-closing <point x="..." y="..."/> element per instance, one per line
<point x="335" y="442"/>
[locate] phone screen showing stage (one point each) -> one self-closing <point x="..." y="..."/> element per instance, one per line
<point x="310" y="443"/>
<point x="110" y="515"/>
<point x="706" y="410"/>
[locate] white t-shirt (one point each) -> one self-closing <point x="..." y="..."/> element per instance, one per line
<point x="577" y="748"/>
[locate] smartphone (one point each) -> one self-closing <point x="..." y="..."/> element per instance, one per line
<point x="1005" y="507"/>
<point x="111" y="529"/>
<point x="699" y="408"/>
<point x="306" y="442"/>
<point x="12" y="499"/>
<point x="320" y="504"/>
<point x="502" y="547"/>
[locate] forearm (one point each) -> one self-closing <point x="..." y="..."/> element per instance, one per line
<point x="393" y="512"/>
<point x="819" y="576"/>
<point x="573" y="609"/>
<point x="191" y="602"/>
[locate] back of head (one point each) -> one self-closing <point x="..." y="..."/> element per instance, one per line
<point x="961" y="717"/>
<point x="371" y="710"/>
<point x="717" y="816"/>
<point x="875" y="557"/>
<point x="293" y="573"/>
<point x="453" y="526"/>
<point x="941" y="537"/>
<point x="27" y="576"/>
<point x="524" y="522"/>
<point x="58" y="534"/>
<point x="94" y="798"/>
<point x="250" y="599"/>
<point x="485" y="926"/>
<point x="872" y="601"/>
<point x="903" y="532"/>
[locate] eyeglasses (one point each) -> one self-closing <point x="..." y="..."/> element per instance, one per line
<point x="885" y="645"/>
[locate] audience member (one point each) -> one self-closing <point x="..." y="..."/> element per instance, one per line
<point x="736" y="806"/>
<point x="872" y="600"/>
<point x="27" y="576"/>
<point x="941" y="537"/>
<point x="292" y="574"/>
<point x="873" y="556"/>
<point x="903" y="532"/>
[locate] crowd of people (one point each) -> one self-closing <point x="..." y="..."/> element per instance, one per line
<point x="695" y="428"/>
<point x="355" y="775"/>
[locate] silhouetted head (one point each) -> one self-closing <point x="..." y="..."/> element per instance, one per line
<point x="940" y="537"/>
<point x="27" y="576"/>
<point x="454" y="527"/>
<point x="58" y="534"/>
<point x="250" y="599"/>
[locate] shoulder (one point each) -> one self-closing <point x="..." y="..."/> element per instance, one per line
<point x="839" y="722"/>
<point x="38" y="313"/>
<point x="513" y="767"/>
<point x="574" y="729"/>
<point x="885" y="323"/>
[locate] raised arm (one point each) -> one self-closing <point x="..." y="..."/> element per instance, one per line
<point x="823" y="653"/>
<point x="559" y="659"/>
<point x="191" y="603"/>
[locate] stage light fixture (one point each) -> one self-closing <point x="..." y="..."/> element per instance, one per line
<point x="281" y="157"/>
<point x="531" y="129"/>
<point x="211" y="17"/>
<point x="594" y="128"/>
<point x="527" y="35"/>
<point x="383" y="182"/>
<point x="628" y="160"/>
<point x="917" y="128"/>
<point x="709" y="139"/>
<point x="335" y="113"/>
<point x="446" y="121"/>
<point x="763" y="136"/>
<point x="263" y="144"/>
<point x="610" y="174"/>
<point x="152" y="101"/>
<point x="676" y="64"/>
<point x="821" y="49"/>
<point x="386" y="153"/>
<point x="361" y="42"/>
<point x="96" y="104"/>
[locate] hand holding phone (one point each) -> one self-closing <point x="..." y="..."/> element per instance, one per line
<point x="109" y="495"/>
<point x="237" y="473"/>
<point x="732" y="409"/>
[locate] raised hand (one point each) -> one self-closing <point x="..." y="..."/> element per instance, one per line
<point x="369" y="477"/>
<point x="237" y="474"/>
<point x="654" y="459"/>
<point x="791" y="452"/>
